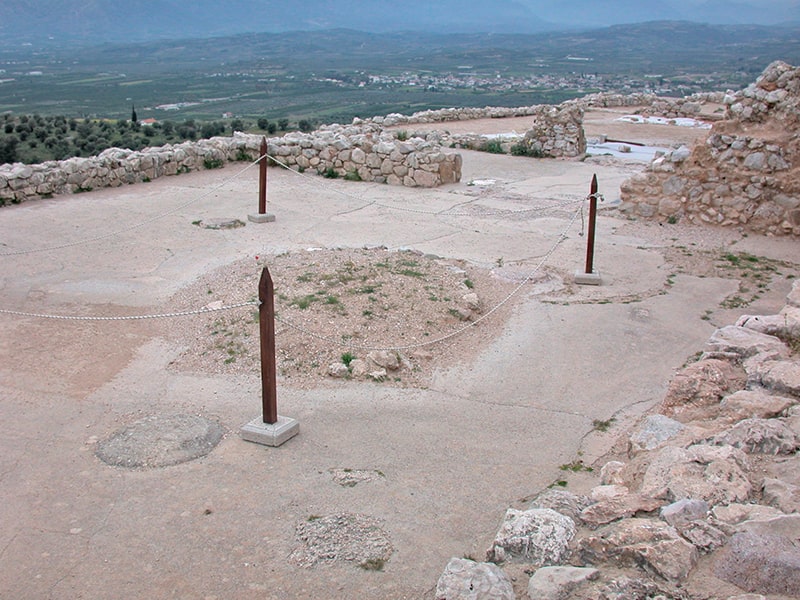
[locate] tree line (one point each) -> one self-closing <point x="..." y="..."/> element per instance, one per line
<point x="33" y="139"/>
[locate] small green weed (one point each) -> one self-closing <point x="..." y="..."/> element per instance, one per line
<point x="603" y="426"/>
<point x="576" y="466"/>
<point x="303" y="302"/>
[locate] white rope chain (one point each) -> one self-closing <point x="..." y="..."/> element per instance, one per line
<point x="562" y="236"/>
<point x="134" y="226"/>
<point x="444" y="212"/>
<point x="187" y="313"/>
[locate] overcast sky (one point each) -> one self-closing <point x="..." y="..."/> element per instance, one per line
<point x="104" y="20"/>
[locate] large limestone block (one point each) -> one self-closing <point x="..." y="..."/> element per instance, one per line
<point x="469" y="580"/>
<point x="558" y="583"/>
<point x="761" y="563"/>
<point x="647" y="543"/>
<point x="760" y="436"/>
<point x="539" y="536"/>
<point x="709" y="473"/>
<point x="696" y="390"/>
<point x="743" y="342"/>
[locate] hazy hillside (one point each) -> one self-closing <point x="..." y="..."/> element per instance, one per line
<point x="95" y="21"/>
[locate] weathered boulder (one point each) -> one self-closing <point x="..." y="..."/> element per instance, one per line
<point x="647" y="543"/>
<point x="752" y="404"/>
<point x="613" y="502"/>
<point x="736" y="513"/>
<point x="338" y="370"/>
<point x="742" y="342"/>
<point x="710" y="473"/>
<point x="558" y="583"/>
<point x="703" y="535"/>
<point x="539" y="536"/>
<point x="760" y="436"/>
<point x="562" y="501"/>
<point x="635" y="588"/>
<point x="385" y="358"/>
<point x="781" y="494"/>
<point x="761" y="563"/>
<point x="469" y="580"/>
<point x="780" y="376"/>
<point x="696" y="390"/>
<point x="684" y="510"/>
<point x="654" y="431"/>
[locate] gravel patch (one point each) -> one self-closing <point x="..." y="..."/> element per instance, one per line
<point x="338" y="306"/>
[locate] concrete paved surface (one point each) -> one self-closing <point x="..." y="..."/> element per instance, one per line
<point x="453" y="456"/>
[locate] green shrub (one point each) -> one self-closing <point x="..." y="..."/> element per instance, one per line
<point x="212" y="163"/>
<point x="493" y="147"/>
<point x="330" y="173"/>
<point x="352" y="176"/>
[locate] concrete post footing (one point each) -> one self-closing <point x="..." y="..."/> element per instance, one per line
<point x="592" y="278"/>
<point x="261" y="218"/>
<point x="268" y="434"/>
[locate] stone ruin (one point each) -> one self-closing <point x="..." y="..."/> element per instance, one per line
<point x="706" y="484"/>
<point x="745" y="174"/>
<point x="555" y="131"/>
<point x="361" y="152"/>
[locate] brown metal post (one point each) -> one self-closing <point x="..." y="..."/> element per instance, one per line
<point x="262" y="179"/>
<point x="266" y="321"/>
<point x="592" y="221"/>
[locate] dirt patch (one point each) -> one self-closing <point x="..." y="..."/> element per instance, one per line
<point x="358" y="539"/>
<point x="338" y="306"/>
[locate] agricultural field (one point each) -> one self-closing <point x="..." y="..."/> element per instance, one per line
<point x="202" y="87"/>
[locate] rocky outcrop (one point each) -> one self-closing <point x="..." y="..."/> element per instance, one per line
<point x="722" y="485"/>
<point x="745" y="174"/>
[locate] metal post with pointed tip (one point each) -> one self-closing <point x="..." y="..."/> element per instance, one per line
<point x="592" y="224"/>
<point x="266" y="323"/>
<point x="590" y="276"/>
<point x="269" y="429"/>
<point x="262" y="179"/>
<point x="262" y="216"/>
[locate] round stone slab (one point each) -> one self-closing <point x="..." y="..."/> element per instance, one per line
<point x="160" y="441"/>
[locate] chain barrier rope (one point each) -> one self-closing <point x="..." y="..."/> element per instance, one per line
<point x="136" y="225"/>
<point x="561" y="237"/>
<point x="199" y="311"/>
<point x="444" y="212"/>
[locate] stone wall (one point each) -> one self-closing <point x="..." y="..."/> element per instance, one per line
<point x="362" y="150"/>
<point x="556" y="131"/>
<point x="371" y="154"/>
<point x="745" y="174"/>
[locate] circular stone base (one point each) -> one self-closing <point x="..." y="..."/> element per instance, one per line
<point x="160" y="441"/>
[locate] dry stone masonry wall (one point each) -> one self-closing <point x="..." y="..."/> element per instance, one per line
<point x="745" y="174"/>
<point x="363" y="152"/>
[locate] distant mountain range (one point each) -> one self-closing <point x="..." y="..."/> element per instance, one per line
<point x="102" y="21"/>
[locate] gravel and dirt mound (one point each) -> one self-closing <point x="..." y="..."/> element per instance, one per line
<point x="340" y="305"/>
